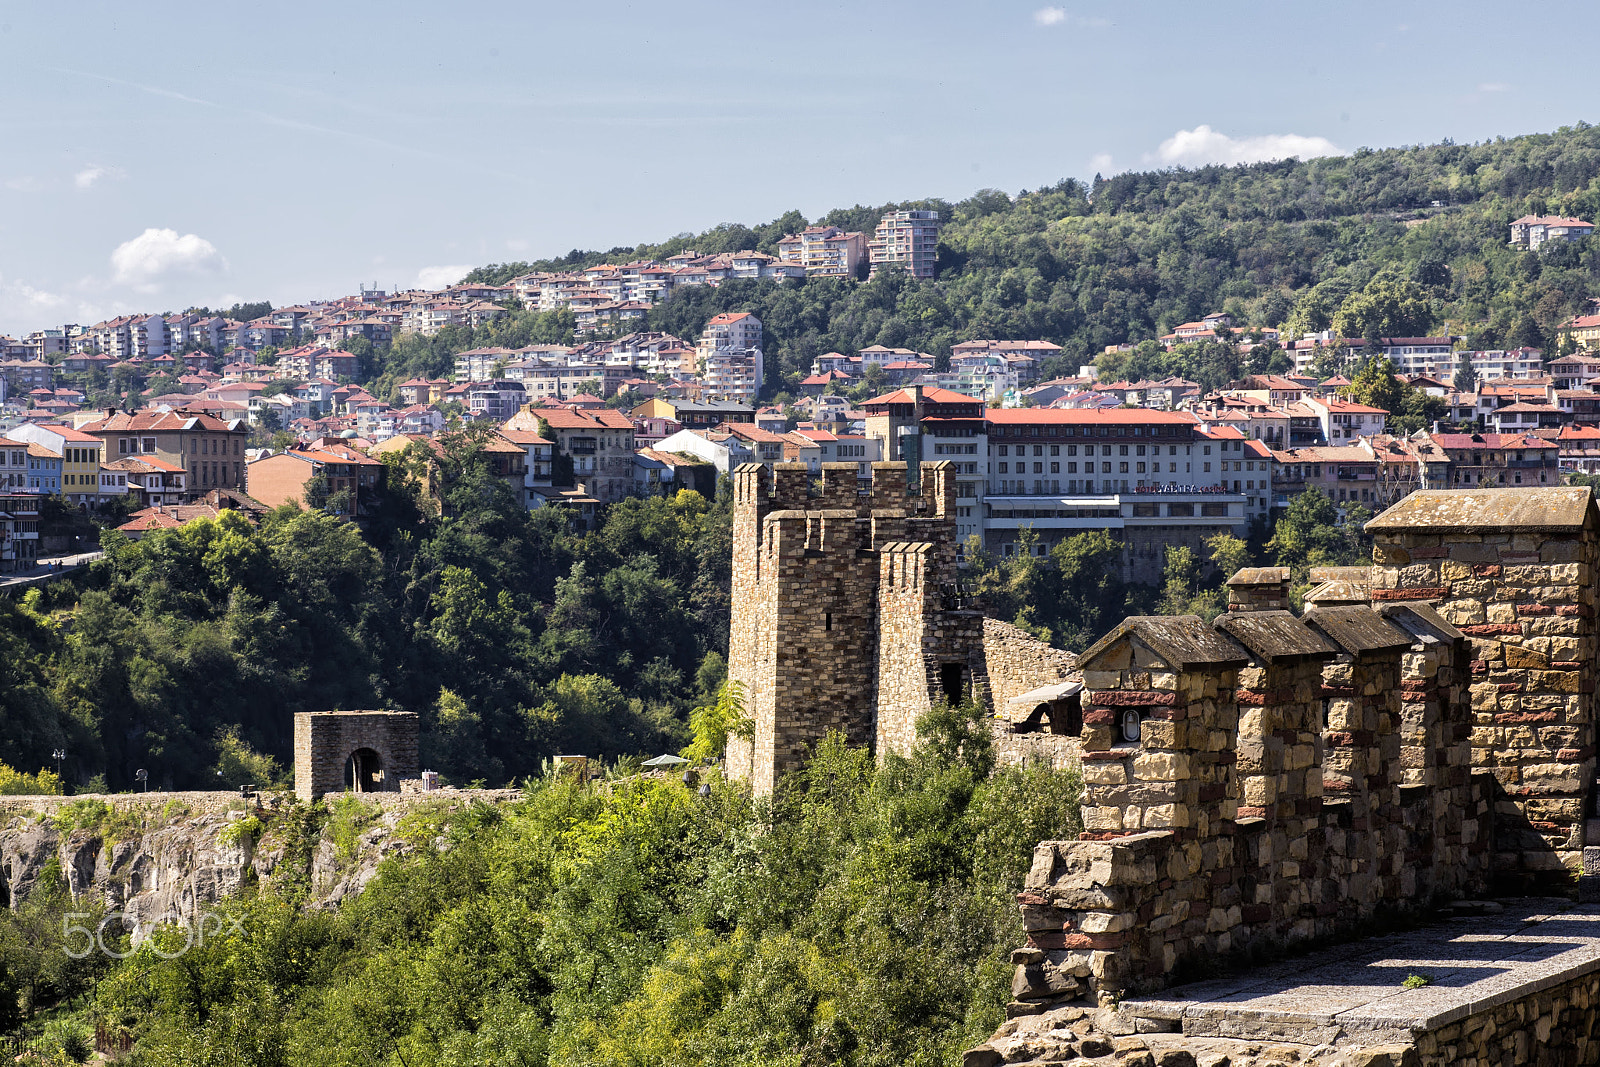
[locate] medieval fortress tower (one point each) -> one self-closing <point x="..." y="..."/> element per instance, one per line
<point x="847" y="614"/>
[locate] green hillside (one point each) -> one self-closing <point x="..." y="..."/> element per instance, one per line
<point x="1287" y="243"/>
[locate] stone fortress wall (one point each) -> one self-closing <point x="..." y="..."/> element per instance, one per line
<point x="848" y="616"/>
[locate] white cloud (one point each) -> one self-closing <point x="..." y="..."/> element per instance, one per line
<point x="1101" y="163"/>
<point x="1202" y="145"/>
<point x="1493" y="87"/>
<point x="439" y="277"/>
<point x="86" y="178"/>
<point x="1056" y="16"/>
<point x="155" y="255"/>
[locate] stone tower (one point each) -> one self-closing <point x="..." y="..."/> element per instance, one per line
<point x="844" y="611"/>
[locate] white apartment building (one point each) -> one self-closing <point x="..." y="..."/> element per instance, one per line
<point x="827" y="251"/>
<point x="909" y="238"/>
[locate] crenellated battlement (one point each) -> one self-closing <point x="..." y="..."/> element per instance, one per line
<point x="837" y="587"/>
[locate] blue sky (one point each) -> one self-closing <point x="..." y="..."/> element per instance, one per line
<point x="162" y="155"/>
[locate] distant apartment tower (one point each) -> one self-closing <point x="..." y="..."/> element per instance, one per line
<point x="909" y="238"/>
<point x="730" y="353"/>
<point x="730" y="330"/>
<point x="825" y="250"/>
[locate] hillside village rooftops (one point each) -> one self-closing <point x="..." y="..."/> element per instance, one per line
<point x="1489" y="440"/>
<point x="930" y="395"/>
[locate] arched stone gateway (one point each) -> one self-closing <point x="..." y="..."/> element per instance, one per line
<point x="360" y="751"/>
<point x="363" y="771"/>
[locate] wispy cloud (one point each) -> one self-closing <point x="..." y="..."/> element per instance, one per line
<point x="1493" y="87"/>
<point x="1203" y="145"/>
<point x="90" y="175"/>
<point x="1059" y="16"/>
<point x="156" y="255"/>
<point x="439" y="277"/>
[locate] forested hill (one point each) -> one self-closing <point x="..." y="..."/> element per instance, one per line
<point x="1129" y="258"/>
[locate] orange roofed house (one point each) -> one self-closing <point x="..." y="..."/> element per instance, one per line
<point x="292" y="477"/>
<point x="210" y="451"/>
<point x="600" y="444"/>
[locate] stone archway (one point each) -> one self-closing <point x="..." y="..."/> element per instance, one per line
<point x="359" y="751"/>
<point x="363" y="771"/>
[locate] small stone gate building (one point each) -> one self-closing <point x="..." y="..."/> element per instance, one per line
<point x="359" y="751"/>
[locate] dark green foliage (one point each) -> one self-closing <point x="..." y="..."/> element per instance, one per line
<point x="861" y="917"/>
<point x="188" y="652"/>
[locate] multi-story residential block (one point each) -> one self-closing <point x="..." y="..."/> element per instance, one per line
<point x="44" y="469"/>
<point x="538" y="464"/>
<point x="1527" y="417"/>
<point x="46" y="345"/>
<point x="1577" y="371"/>
<point x="599" y="443"/>
<point x="909" y="239"/>
<point x="736" y="331"/>
<point x="1491" y="460"/>
<point x="694" y="414"/>
<point x="825" y="250"/>
<point x="1345" y="420"/>
<point x="1532" y="231"/>
<point x="19" y="529"/>
<point x="1021" y="357"/>
<point x="24" y="375"/>
<point x="80" y="457"/>
<point x="1584" y="330"/>
<point x="13" y="466"/>
<point x="734" y="376"/>
<point x="497" y="400"/>
<point x="1418" y="355"/>
<point x="1149" y="477"/>
<point x="1346" y="473"/>
<point x="210" y="451"/>
<point x="154" y="481"/>
<point x="1580" y="449"/>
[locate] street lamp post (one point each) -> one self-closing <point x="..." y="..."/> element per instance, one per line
<point x="58" y="755"/>
<point x="143" y="777"/>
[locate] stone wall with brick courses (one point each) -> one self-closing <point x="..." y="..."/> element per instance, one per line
<point x="1282" y="895"/>
<point x="1361" y="807"/>
<point x="1155" y="879"/>
<point x="1259" y="589"/>
<point x="1526" y="602"/>
<point x="1016" y="662"/>
<point x="1059" y="751"/>
<point x="1446" y="847"/>
<point x="325" y="740"/>
<point x="1242" y="816"/>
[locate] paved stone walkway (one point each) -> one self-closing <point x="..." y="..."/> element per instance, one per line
<point x="1354" y="993"/>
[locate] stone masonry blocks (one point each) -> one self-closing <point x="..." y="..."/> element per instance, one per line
<point x="325" y="740"/>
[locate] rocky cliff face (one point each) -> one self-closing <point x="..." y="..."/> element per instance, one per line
<point x="164" y="858"/>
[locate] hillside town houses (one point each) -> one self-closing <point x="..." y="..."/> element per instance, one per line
<point x="215" y="413"/>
